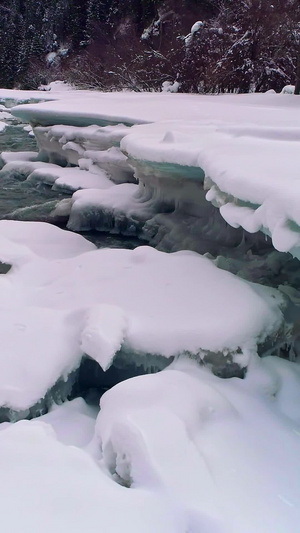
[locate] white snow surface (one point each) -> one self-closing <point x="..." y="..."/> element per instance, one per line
<point x="10" y="157"/>
<point x="254" y="165"/>
<point x="61" y="488"/>
<point x="63" y="297"/>
<point x="247" y="146"/>
<point x="70" y="178"/>
<point x="226" y="450"/>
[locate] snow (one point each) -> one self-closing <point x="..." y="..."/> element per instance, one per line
<point x="40" y="345"/>
<point x="194" y="453"/>
<point x="70" y="178"/>
<point x="104" y="333"/>
<point x="169" y="87"/>
<point x="244" y="144"/>
<point x="215" y="446"/>
<point x="63" y="297"/>
<point x="61" y="488"/>
<point x="244" y="168"/>
<point x="136" y="108"/>
<point x="73" y="422"/>
<point x="197" y="26"/>
<point x="44" y="240"/>
<point x="288" y="89"/>
<point x="11" y="157"/>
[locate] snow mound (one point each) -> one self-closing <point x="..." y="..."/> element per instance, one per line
<point x="189" y="434"/>
<point x="64" y="298"/>
<point x="57" y="85"/>
<point x="73" y="493"/>
<point x="173" y="302"/>
<point x="44" y="240"/>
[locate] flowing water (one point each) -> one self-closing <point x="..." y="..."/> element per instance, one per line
<point x="22" y="200"/>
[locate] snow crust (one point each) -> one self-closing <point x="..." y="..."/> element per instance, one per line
<point x="139" y="108"/>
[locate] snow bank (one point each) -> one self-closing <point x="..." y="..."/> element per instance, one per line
<point x="63" y="298"/>
<point x="139" y="108"/>
<point x="40" y="346"/>
<point x="92" y="148"/>
<point x="72" y="492"/>
<point x="244" y="168"/>
<point x="244" y="144"/>
<point x="214" y="445"/>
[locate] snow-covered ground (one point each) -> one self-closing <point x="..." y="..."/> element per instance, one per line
<point x="181" y="450"/>
<point x="245" y="147"/>
<point x="62" y="299"/>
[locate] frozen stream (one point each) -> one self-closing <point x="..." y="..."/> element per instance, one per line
<point x="22" y="200"/>
<point x="172" y="447"/>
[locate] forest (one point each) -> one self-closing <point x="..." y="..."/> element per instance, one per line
<point x="202" y="46"/>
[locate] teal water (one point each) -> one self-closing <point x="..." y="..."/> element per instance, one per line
<point x="20" y="200"/>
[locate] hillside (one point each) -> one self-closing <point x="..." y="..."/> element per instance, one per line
<point x="234" y="45"/>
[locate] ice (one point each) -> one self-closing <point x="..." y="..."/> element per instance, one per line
<point x="251" y="195"/>
<point x="11" y="157"/>
<point x="70" y="179"/>
<point x="243" y="144"/>
<point x="103" y="210"/>
<point x="169" y="213"/>
<point x="214" y="445"/>
<point x="180" y="450"/>
<point x="22" y="169"/>
<point x="111" y="160"/>
<point x="43" y="240"/>
<point x="70" y="143"/>
<point x="173" y="303"/>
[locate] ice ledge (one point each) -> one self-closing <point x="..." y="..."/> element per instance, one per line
<point x="252" y="173"/>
